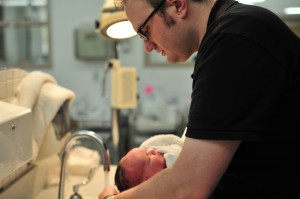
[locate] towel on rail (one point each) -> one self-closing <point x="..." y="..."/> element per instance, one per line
<point x="40" y="92"/>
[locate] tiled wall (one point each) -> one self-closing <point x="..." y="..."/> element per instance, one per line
<point x="9" y="80"/>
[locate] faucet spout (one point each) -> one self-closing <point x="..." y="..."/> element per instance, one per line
<point x="103" y="150"/>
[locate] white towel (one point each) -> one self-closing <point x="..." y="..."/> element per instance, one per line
<point x="82" y="160"/>
<point x="168" y="144"/>
<point x="40" y="92"/>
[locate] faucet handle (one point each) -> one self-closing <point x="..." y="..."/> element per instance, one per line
<point x="75" y="196"/>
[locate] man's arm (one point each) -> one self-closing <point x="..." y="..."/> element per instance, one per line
<point x="195" y="174"/>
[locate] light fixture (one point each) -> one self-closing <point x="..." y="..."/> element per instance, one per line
<point x="113" y="23"/>
<point x="292" y="11"/>
<point x="17" y="3"/>
<point x="251" y="2"/>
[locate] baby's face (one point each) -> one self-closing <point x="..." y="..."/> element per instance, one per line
<point x="140" y="164"/>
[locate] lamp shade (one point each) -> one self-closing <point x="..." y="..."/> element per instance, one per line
<point x="113" y="23"/>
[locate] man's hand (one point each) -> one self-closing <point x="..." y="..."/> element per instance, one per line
<point x="108" y="191"/>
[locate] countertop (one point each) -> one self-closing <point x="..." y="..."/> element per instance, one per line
<point x="88" y="191"/>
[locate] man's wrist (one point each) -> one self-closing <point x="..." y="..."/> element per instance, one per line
<point x="109" y="196"/>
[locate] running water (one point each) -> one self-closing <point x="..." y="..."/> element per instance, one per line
<point x="106" y="178"/>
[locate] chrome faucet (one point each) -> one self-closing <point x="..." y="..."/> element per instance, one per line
<point x="103" y="150"/>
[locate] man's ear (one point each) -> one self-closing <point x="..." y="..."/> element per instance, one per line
<point x="180" y="5"/>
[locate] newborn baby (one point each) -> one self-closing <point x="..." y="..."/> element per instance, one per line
<point x="154" y="155"/>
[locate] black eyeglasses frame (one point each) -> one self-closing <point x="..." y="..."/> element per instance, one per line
<point x="140" y="32"/>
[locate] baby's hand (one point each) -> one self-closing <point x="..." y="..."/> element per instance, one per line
<point x="108" y="191"/>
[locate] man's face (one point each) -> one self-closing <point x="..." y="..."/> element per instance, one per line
<point x="140" y="164"/>
<point x="167" y="35"/>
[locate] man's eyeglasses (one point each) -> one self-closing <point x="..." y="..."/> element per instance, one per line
<point x="140" y="30"/>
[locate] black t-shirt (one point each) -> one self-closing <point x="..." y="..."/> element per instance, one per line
<point x="246" y="86"/>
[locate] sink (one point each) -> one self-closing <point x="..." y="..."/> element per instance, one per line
<point x="88" y="191"/>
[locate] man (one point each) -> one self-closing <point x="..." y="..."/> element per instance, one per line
<point x="244" y="114"/>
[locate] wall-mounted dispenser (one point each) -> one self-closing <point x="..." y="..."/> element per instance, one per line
<point x="123" y="85"/>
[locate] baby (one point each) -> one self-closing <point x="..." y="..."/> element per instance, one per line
<point x="139" y="164"/>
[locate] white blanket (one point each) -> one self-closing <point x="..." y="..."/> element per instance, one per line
<point x="40" y="92"/>
<point x="168" y="144"/>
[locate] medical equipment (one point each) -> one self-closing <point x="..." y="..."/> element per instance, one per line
<point x="114" y="25"/>
<point x="123" y="85"/>
<point x="15" y="142"/>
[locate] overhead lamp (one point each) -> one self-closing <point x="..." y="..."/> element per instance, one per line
<point x="251" y="2"/>
<point x="292" y="10"/>
<point x="113" y="23"/>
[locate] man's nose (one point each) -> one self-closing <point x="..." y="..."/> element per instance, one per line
<point x="149" y="46"/>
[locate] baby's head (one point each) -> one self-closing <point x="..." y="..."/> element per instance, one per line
<point x="138" y="165"/>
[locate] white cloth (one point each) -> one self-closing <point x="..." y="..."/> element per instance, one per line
<point x="40" y="92"/>
<point x="168" y="144"/>
<point x="82" y="160"/>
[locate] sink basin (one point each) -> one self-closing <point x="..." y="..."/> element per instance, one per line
<point x="88" y="191"/>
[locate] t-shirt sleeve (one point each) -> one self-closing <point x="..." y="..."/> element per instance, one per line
<point x="235" y="87"/>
